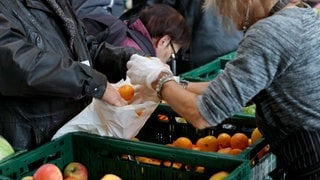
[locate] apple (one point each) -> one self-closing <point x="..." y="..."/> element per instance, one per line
<point x="110" y="177"/>
<point x="48" y="172"/>
<point x="75" y="170"/>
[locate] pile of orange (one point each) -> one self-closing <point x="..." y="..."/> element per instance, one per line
<point x="223" y="143"/>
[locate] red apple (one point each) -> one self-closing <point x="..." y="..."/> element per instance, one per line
<point x="48" y="172"/>
<point x="76" y="171"/>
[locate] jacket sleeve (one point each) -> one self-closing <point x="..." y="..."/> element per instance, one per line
<point x="112" y="60"/>
<point x="26" y="70"/>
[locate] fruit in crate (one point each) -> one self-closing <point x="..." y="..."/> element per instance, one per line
<point x="175" y="165"/>
<point x="147" y="160"/>
<point x="219" y="175"/>
<point x="235" y="151"/>
<point x="48" y="172"/>
<point x="224" y="140"/>
<point x="126" y="91"/>
<point x="75" y="170"/>
<point x="183" y="142"/>
<point x="226" y="150"/>
<point x="110" y="177"/>
<point x="251" y="109"/>
<point x="239" y="141"/>
<point x="255" y="135"/>
<point x="5" y="148"/>
<point x="208" y="143"/>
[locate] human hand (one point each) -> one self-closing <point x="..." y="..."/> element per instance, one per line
<point x="143" y="70"/>
<point x="112" y="97"/>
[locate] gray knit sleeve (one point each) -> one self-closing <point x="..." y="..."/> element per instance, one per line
<point x="263" y="55"/>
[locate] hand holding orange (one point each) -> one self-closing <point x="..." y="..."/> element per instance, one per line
<point x="126" y="91"/>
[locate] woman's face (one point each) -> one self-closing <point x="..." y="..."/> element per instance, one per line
<point x="165" y="48"/>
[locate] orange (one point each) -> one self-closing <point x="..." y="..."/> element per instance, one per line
<point x="126" y="91"/>
<point x="208" y="143"/>
<point x="225" y="150"/>
<point x="199" y="169"/>
<point x="255" y="135"/>
<point x="239" y="141"/>
<point x="224" y="140"/>
<point x="183" y="142"/>
<point x="175" y="165"/>
<point x="235" y="151"/>
<point x="195" y="147"/>
<point x="148" y="160"/>
<point x="163" y="117"/>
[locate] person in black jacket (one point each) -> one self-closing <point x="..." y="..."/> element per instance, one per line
<point x="49" y="69"/>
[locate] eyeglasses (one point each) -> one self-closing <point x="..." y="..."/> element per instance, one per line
<point x="173" y="59"/>
<point x="174" y="54"/>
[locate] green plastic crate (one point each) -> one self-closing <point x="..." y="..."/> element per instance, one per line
<point x="208" y="71"/>
<point x="165" y="132"/>
<point x="102" y="155"/>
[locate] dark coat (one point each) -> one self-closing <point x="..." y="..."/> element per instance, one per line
<point x="43" y="83"/>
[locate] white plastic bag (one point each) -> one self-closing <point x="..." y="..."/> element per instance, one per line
<point x="107" y="120"/>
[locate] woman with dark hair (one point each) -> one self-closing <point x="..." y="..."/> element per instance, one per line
<point x="165" y="27"/>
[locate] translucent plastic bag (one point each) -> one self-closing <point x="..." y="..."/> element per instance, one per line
<point x="107" y="120"/>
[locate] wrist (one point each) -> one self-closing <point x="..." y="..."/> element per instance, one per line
<point x="163" y="79"/>
<point x="183" y="83"/>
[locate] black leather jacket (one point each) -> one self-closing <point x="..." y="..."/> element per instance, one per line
<point x="43" y="84"/>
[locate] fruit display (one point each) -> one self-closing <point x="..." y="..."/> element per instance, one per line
<point x="5" y="148"/>
<point x="236" y="136"/>
<point x="113" y="158"/>
<point x="49" y="171"/>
